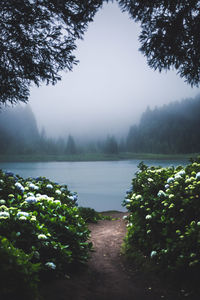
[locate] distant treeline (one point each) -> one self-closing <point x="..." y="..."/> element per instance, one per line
<point x="170" y="129"/>
<point x="18" y="131"/>
<point x="19" y="134"/>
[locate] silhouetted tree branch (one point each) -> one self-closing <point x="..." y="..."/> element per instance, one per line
<point x="37" y="40"/>
<point x="170" y="35"/>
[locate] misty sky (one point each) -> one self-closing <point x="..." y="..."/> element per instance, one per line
<point x="111" y="86"/>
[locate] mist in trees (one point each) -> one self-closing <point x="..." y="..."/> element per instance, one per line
<point x="111" y="145"/>
<point x="71" y="146"/>
<point x="38" y="41"/>
<point x="19" y="134"/>
<point x="18" y="131"/>
<point x="169" y="129"/>
<point x="172" y="128"/>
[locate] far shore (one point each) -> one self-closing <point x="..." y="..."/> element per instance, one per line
<point x="92" y="157"/>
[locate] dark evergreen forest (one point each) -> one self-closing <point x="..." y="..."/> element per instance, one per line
<point x="18" y="131"/>
<point x="170" y="129"/>
<point x="19" y="135"/>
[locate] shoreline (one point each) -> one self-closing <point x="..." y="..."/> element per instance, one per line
<point x="93" y="157"/>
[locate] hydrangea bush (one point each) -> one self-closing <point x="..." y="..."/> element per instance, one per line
<point x="40" y="220"/>
<point x="164" y="220"/>
<point x="18" y="275"/>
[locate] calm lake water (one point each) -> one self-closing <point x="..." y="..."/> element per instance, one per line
<point x="100" y="185"/>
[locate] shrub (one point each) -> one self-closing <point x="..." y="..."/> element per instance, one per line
<point x="89" y="214"/>
<point x="164" y="220"/>
<point x="40" y="219"/>
<point x="92" y="216"/>
<point x="18" y="275"/>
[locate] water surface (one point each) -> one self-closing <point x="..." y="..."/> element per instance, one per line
<point x="101" y="185"/>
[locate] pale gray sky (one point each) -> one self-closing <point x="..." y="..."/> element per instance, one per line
<point x="111" y="86"/>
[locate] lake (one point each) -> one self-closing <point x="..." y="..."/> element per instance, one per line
<point x="101" y="185"/>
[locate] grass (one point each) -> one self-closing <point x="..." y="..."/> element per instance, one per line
<point x="90" y="157"/>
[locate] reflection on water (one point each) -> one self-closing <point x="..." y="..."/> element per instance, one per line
<point x="100" y="185"/>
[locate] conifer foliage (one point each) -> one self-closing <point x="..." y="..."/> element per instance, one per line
<point x="170" y="35"/>
<point x="37" y="40"/>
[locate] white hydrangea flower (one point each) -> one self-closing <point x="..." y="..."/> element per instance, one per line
<point x="177" y="176"/>
<point x="22" y="213"/>
<point x="32" y="185"/>
<point x="57" y="202"/>
<point x="148" y="217"/>
<point x="42" y="237"/>
<point x="150" y="180"/>
<point x="4" y="214"/>
<point x="128" y="200"/>
<point x="31" y="199"/>
<point x="49" y="186"/>
<point x="75" y="197"/>
<point x="50" y="200"/>
<point x="30" y="194"/>
<point x="19" y="186"/>
<point x="42" y="197"/>
<point x="22" y="218"/>
<point x="170" y="180"/>
<point x="58" y="192"/>
<point x="51" y="265"/>
<point x="161" y="193"/>
<point x="181" y="173"/>
<point x="129" y="225"/>
<point x="153" y="253"/>
<point x="198" y="175"/>
<point x="138" y="197"/>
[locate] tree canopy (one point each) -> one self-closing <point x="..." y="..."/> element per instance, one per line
<point x="170" y="35"/>
<point x="38" y="38"/>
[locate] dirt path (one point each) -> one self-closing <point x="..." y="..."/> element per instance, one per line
<point x="109" y="279"/>
<point x="106" y="276"/>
